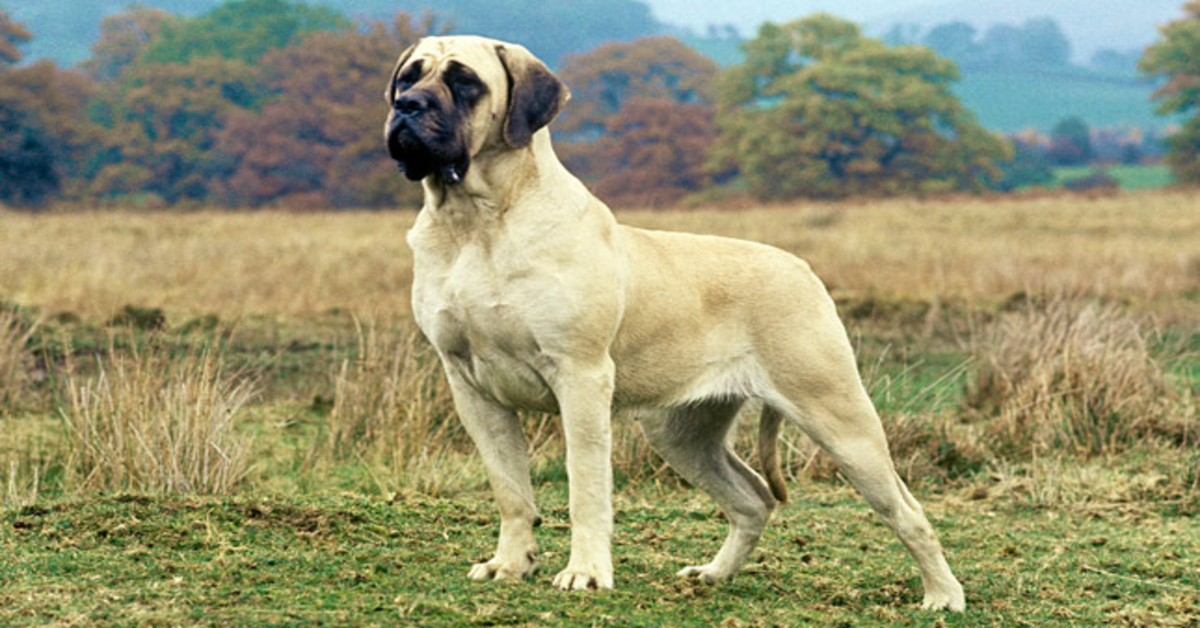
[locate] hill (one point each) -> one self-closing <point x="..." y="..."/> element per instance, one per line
<point x="1091" y="25"/>
<point x="1012" y="100"/>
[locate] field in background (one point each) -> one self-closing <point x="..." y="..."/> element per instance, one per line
<point x="1130" y="178"/>
<point x="1035" y="361"/>
<point x="1141" y="248"/>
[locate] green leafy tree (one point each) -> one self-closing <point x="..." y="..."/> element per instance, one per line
<point x="1028" y="167"/>
<point x="1176" y="58"/>
<point x="818" y="109"/>
<point x="1071" y="142"/>
<point x="242" y="30"/>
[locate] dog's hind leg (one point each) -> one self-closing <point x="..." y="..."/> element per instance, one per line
<point x="496" y="432"/>
<point x="692" y="440"/>
<point x="832" y="407"/>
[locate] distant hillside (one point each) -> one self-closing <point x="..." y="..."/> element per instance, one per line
<point x="1011" y="101"/>
<point x="64" y="30"/>
<point x="1091" y="25"/>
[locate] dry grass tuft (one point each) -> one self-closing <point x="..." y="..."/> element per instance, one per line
<point x="1071" y="377"/>
<point x="393" y="409"/>
<point x="15" y="333"/>
<point x="156" y="422"/>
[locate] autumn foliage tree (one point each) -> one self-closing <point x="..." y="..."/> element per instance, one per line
<point x="620" y="119"/>
<point x="45" y="136"/>
<point x="654" y="153"/>
<point x="12" y="35"/>
<point x="123" y="38"/>
<point x="1176" y="57"/>
<point x="316" y="142"/>
<point x="818" y="109"/>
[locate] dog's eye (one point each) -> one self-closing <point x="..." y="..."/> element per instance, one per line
<point x="465" y="86"/>
<point x="408" y="77"/>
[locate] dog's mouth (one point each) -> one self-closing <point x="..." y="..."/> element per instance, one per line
<point x="420" y="153"/>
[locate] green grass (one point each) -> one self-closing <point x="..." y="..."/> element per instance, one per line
<point x="1129" y="177"/>
<point x="343" y="559"/>
<point x="1051" y="542"/>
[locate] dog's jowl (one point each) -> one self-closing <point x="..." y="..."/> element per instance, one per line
<point x="535" y="298"/>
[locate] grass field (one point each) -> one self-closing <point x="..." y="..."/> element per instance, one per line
<point x="1130" y="178"/>
<point x="217" y="418"/>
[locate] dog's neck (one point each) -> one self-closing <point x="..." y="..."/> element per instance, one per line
<point x="499" y="179"/>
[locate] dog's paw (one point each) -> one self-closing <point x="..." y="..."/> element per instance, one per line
<point x="707" y="573"/>
<point x="497" y="569"/>
<point x="571" y="579"/>
<point x="951" y="599"/>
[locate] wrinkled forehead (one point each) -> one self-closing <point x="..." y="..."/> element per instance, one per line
<point x="477" y="53"/>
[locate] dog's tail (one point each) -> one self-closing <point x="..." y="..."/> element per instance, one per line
<point x="768" y="454"/>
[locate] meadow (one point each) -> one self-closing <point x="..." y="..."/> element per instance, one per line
<point x="214" y="418"/>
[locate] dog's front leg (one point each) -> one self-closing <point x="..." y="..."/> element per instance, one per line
<point x="584" y="395"/>
<point x="496" y="431"/>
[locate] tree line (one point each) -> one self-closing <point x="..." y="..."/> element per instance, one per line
<point x="277" y="103"/>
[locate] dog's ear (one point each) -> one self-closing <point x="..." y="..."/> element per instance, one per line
<point x="535" y="95"/>
<point x="390" y="92"/>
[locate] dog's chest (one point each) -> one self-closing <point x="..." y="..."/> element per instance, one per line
<point x="472" y="310"/>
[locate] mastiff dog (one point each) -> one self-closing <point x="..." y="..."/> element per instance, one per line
<point x="536" y="299"/>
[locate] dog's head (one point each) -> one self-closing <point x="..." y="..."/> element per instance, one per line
<point x="453" y="97"/>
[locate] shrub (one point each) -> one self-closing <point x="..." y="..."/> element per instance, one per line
<point x="1070" y="376"/>
<point x="392" y="406"/>
<point x="1096" y="180"/>
<point x="157" y="422"/>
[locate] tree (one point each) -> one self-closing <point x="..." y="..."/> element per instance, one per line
<point x="818" y="109"/>
<point x="1027" y="168"/>
<point x="241" y="30"/>
<point x="1071" y="142"/>
<point x="44" y="134"/>
<point x="123" y="37"/>
<point x="652" y="67"/>
<point x="1176" y="59"/>
<point x="603" y="80"/>
<point x="316" y="140"/>
<point x="162" y="122"/>
<point x="12" y="35"/>
<point x="655" y="152"/>
<point x="1043" y="43"/>
<point x="1038" y="42"/>
<point x="955" y="40"/>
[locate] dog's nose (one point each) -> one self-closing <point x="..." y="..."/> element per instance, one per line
<point x="414" y="104"/>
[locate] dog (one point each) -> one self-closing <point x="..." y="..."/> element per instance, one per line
<point x="536" y="299"/>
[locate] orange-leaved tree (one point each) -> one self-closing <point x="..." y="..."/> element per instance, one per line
<point x="123" y="37"/>
<point x="317" y="140"/>
<point x="596" y="128"/>
<point x="654" y="152"/>
<point x="45" y="135"/>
